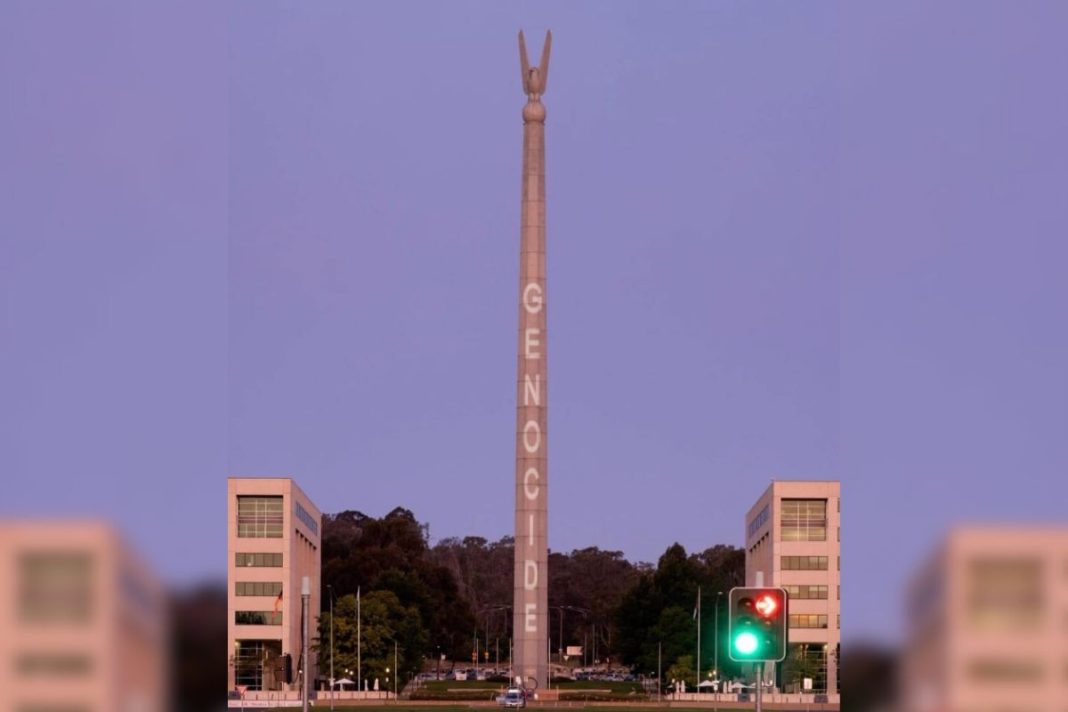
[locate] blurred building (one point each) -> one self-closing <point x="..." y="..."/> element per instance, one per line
<point x="273" y="532"/>
<point x="987" y="622"/>
<point x="82" y="621"/>
<point x="793" y="538"/>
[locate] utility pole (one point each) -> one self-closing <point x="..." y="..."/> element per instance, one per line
<point x="305" y="597"/>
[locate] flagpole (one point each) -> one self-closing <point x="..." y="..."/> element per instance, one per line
<point x="698" y="638"/>
<point x="359" y="662"/>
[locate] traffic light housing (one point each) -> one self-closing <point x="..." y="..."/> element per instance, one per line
<point x="757" y="624"/>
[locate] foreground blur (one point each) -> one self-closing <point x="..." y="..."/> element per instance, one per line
<point x="987" y="619"/>
<point x="83" y="621"/>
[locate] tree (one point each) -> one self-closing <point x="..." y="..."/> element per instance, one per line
<point x="384" y="621"/>
<point x="683" y="669"/>
<point x="391" y="554"/>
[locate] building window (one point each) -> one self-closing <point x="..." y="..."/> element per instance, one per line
<point x="270" y="560"/>
<point x="758" y="521"/>
<point x="259" y="517"/>
<point x="258" y="617"/>
<point x="257" y="588"/>
<point x="805" y="660"/>
<point x="55" y="587"/>
<point x="255" y="664"/>
<point x="804" y="563"/>
<point x="308" y="519"/>
<point x="806" y="592"/>
<point x="1006" y="592"/>
<point x="54" y="665"/>
<point x="807" y="620"/>
<point x="804" y="520"/>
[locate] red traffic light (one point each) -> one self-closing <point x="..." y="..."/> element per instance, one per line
<point x="767" y="605"/>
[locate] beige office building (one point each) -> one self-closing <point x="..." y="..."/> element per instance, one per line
<point x="83" y="621"/>
<point x="987" y="623"/>
<point x="793" y="536"/>
<point x="273" y="541"/>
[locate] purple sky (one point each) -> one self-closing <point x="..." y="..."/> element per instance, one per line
<point x="793" y="241"/>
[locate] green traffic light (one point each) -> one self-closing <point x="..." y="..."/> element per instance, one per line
<point x="746" y="643"/>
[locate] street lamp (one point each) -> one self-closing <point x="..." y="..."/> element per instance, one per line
<point x="305" y="599"/>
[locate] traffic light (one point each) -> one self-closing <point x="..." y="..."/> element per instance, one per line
<point x="757" y="624"/>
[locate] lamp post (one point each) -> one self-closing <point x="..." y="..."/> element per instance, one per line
<point x="305" y="597"/>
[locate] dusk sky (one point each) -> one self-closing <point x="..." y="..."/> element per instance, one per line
<point x="793" y="241"/>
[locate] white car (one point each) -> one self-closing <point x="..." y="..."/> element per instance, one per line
<point x="514" y="697"/>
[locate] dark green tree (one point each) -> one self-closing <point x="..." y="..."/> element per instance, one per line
<point x="384" y="621"/>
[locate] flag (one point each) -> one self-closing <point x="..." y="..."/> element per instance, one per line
<point x="697" y="605"/>
<point x="278" y="602"/>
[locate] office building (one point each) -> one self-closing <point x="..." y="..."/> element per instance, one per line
<point x="987" y="622"/>
<point x="793" y="540"/>
<point x="273" y="541"/>
<point x="83" y="621"/>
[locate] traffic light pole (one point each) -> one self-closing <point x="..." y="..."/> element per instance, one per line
<point x="759" y="685"/>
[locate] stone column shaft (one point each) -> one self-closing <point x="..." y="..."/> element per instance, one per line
<point x="531" y="613"/>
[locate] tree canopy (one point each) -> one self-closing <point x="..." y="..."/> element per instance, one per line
<point x="431" y="600"/>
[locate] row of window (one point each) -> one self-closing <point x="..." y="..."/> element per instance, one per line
<point x="758" y="520"/>
<point x="308" y="519"/>
<point x="259" y="517"/>
<point x="271" y="560"/>
<point x="262" y="618"/>
<point x="807" y="592"/>
<point x="257" y="588"/>
<point x="807" y="620"/>
<point x="804" y="563"/>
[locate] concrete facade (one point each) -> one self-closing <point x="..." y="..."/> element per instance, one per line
<point x="530" y="622"/>
<point x="273" y="540"/>
<point x="793" y="536"/>
<point x="987" y="622"/>
<point x="83" y="621"/>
